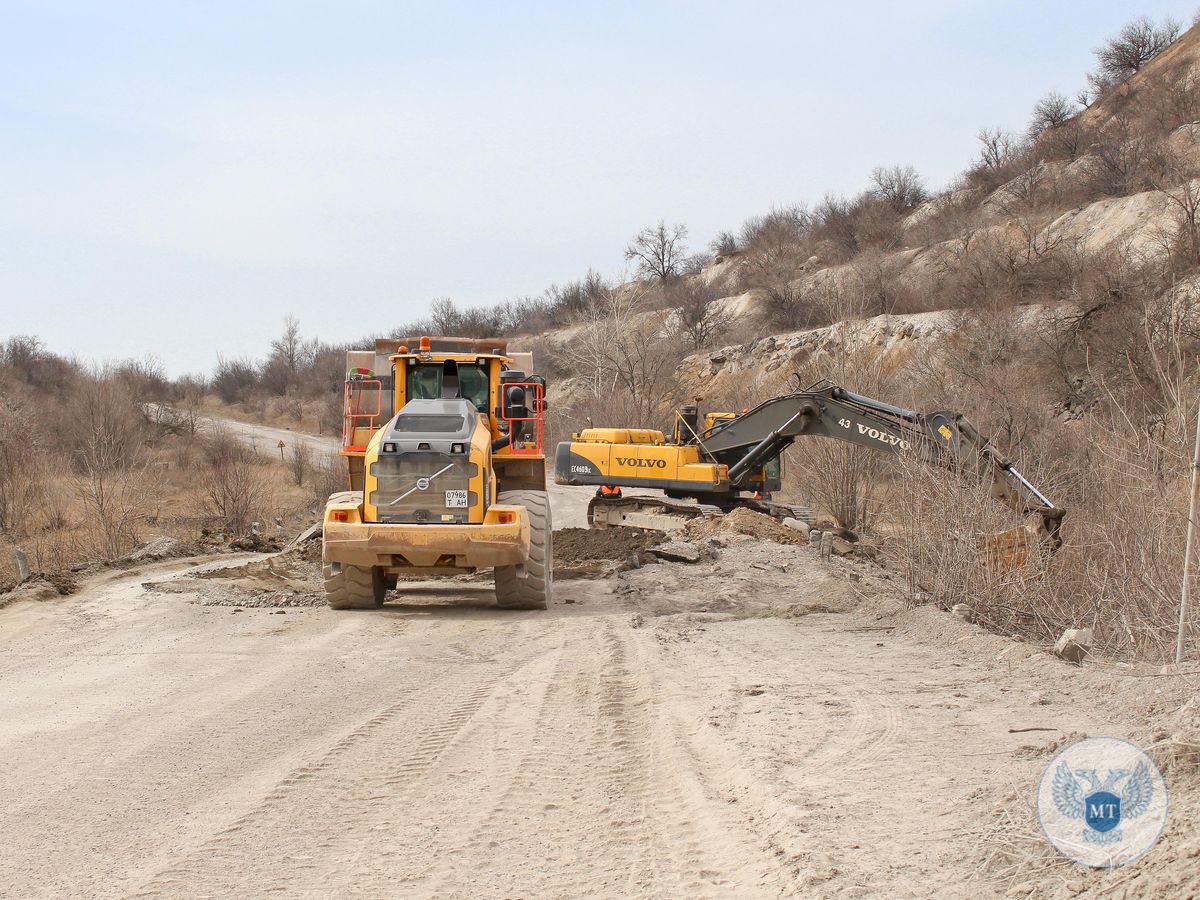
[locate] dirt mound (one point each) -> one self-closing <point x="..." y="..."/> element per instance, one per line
<point x="256" y="543"/>
<point x="292" y="571"/>
<point x="746" y="521"/>
<point x="598" y="552"/>
<point x="572" y="545"/>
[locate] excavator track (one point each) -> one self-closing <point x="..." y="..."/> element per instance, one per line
<point x="662" y="514"/>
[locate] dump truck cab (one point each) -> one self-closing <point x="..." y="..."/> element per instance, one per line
<point x="443" y="442"/>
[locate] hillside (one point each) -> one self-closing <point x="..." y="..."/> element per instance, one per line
<point x="1050" y="293"/>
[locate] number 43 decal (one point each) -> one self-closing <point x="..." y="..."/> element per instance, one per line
<point x="845" y="423"/>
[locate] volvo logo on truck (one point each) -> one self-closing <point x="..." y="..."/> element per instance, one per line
<point x="641" y="463"/>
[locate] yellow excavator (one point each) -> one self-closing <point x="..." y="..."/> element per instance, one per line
<point x="726" y="463"/>
<point x="443" y="441"/>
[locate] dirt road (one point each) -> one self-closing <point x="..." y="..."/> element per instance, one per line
<point x="745" y="726"/>
<point x="757" y="724"/>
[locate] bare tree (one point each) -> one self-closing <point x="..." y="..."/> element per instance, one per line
<point x="1053" y="111"/>
<point x="900" y="187"/>
<point x="1134" y="46"/>
<point x="998" y="150"/>
<point x="290" y="348"/>
<point x="444" y="317"/>
<point x="658" y="251"/>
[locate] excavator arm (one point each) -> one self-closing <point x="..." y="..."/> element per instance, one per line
<point x="828" y="410"/>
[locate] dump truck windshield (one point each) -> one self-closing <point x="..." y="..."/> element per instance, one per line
<point x="425" y="383"/>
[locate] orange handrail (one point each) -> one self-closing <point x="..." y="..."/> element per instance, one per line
<point x="354" y="417"/>
<point x="539" y="409"/>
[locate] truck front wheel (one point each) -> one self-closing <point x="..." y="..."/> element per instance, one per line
<point x="528" y="585"/>
<point x="353" y="587"/>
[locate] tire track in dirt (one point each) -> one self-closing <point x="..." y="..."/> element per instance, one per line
<point x="342" y="799"/>
<point x="599" y="776"/>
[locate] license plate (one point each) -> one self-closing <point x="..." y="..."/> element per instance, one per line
<point x="456" y="499"/>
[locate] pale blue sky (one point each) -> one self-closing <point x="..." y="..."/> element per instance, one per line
<point x="177" y="177"/>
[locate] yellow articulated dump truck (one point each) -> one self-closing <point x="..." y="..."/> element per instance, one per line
<point x="443" y="442"/>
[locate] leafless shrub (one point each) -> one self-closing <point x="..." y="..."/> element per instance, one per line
<point x="1116" y="456"/>
<point x="234" y="379"/>
<point x="775" y="247"/>
<point x="878" y="287"/>
<point x="235" y="484"/>
<point x="1123" y="154"/>
<point x="658" y="251"/>
<point x="953" y="216"/>
<point x="145" y="379"/>
<point x="843" y="479"/>
<point x="329" y="476"/>
<point x="102" y="426"/>
<point x="1175" y="178"/>
<point x="698" y="319"/>
<point x="785" y="307"/>
<point x="837" y="225"/>
<point x="901" y="187"/>
<point x="1179" y="100"/>
<point x="876" y="226"/>
<point x="299" y="462"/>
<point x="21" y="463"/>
<point x="1055" y="129"/>
<point x="624" y="356"/>
<point x="115" y="501"/>
<point x="724" y="244"/>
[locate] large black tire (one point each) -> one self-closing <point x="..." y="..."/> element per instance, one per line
<point x="353" y="587"/>
<point x="529" y="585"/>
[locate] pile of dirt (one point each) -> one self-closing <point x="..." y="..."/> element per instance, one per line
<point x="748" y="522"/>
<point x="294" y="570"/>
<point x="60" y="581"/>
<point x="597" y="552"/>
<point x="256" y="543"/>
<point x="156" y="550"/>
<point x="41" y="586"/>
<point x="573" y="545"/>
